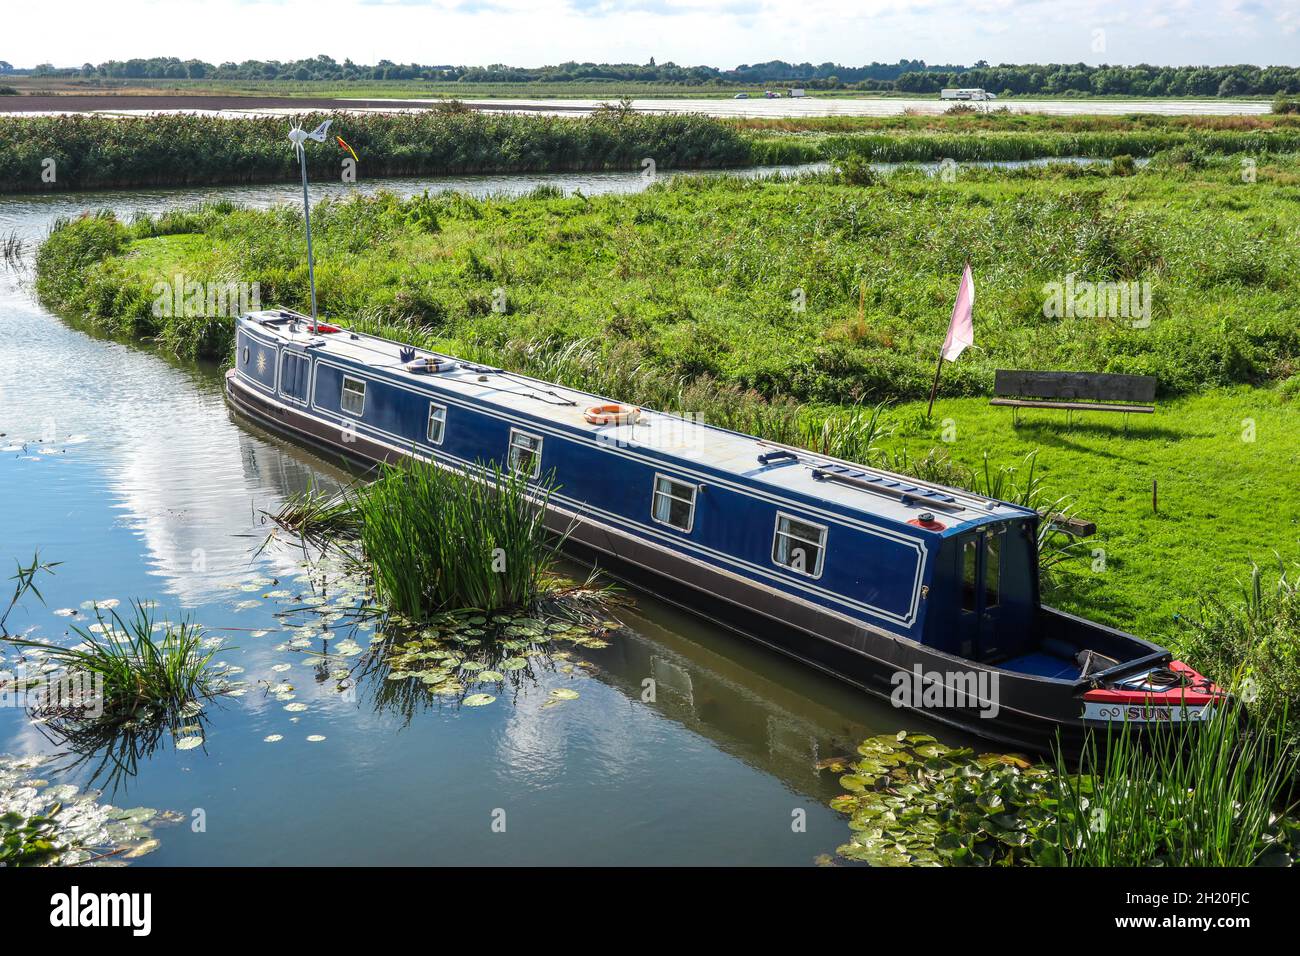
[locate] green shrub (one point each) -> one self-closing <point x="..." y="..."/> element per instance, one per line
<point x="1286" y="104"/>
<point x="855" y="170"/>
<point x="1253" y="643"/>
<point x="1123" y="165"/>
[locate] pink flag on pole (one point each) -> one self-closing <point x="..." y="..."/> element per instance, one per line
<point x="961" y="328"/>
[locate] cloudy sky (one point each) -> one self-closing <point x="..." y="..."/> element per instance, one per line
<point x="716" y="32"/>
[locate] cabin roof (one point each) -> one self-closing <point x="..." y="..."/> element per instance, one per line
<point x="855" y="488"/>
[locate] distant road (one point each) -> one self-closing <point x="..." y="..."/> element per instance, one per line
<point x="879" y="106"/>
<point x="235" y="106"/>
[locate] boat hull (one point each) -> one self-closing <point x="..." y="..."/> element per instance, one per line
<point x="1013" y="709"/>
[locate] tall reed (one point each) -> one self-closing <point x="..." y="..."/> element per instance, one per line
<point x="1185" y="794"/>
<point x="436" y="539"/>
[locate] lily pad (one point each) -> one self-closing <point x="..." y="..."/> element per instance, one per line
<point x="478" y="700"/>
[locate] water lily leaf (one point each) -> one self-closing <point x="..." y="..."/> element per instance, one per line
<point x="513" y="664"/>
<point x="478" y="700"/>
<point x="315" y="738"/>
<point x="272" y="738"/>
<point x="189" y="742"/>
<point x="853" y="783"/>
<point x="141" y="848"/>
<point x="563" y="693"/>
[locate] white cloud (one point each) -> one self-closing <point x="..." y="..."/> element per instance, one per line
<point x="721" y="32"/>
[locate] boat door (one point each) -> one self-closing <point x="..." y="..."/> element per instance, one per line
<point x="981" y="593"/>
<point x="295" y="375"/>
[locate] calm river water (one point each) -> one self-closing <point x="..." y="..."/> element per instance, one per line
<point x="145" y="487"/>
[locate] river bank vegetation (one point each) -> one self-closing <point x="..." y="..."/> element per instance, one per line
<point x="809" y="289"/>
<point x="98" y="152"/>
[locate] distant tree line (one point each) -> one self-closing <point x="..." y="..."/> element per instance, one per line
<point x="905" y="76"/>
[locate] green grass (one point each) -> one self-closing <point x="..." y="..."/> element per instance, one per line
<point x="1223" y="502"/>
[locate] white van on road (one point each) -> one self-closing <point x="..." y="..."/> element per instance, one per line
<point x="966" y="94"/>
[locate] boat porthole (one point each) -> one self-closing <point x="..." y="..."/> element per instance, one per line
<point x="245" y="354"/>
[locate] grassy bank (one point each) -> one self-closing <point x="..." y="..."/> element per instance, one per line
<point x="1222" y="499"/>
<point x="812" y="289"/>
<point x="98" y="152"/>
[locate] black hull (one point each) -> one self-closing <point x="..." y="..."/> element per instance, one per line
<point x="1033" y="714"/>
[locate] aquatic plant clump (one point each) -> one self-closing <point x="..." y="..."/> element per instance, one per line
<point x="913" y="801"/>
<point x="1202" y="795"/>
<point x="434" y="539"/>
<point x="61" y="825"/>
<point x="137" y="668"/>
<point x="1185" y="795"/>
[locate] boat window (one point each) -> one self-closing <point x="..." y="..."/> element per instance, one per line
<point x="437" y="423"/>
<point x="798" y="545"/>
<point x="674" y="503"/>
<point x="245" y="354"/>
<point x="992" y="569"/>
<point x="970" y="560"/>
<point x="525" y="453"/>
<point x="353" y="401"/>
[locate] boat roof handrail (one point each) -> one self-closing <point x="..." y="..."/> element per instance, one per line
<point x="908" y="494"/>
<point x="816" y="460"/>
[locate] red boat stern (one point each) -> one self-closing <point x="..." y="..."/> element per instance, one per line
<point x="1171" y="693"/>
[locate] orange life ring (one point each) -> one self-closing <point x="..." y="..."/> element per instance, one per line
<point x="612" y="414"/>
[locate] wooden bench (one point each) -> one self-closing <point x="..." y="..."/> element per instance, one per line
<point x="1074" y="391"/>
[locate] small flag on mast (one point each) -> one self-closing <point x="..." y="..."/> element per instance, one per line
<point x="343" y="143"/>
<point x="961" y="330"/>
<point x="961" y="327"/>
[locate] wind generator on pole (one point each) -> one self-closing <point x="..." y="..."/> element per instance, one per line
<point x="299" y="136"/>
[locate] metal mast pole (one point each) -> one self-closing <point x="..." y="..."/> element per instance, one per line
<point x="306" y="212"/>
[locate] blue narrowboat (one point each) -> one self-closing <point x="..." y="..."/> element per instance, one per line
<point x="925" y="595"/>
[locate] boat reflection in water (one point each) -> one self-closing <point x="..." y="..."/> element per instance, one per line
<point x="749" y="701"/>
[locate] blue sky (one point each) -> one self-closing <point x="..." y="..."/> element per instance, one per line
<point x="720" y="33"/>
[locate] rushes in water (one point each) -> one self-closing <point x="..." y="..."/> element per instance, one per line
<point x="133" y="669"/>
<point x="318" y="515"/>
<point x="1185" y="795"/>
<point x="434" y="539"/>
<point x="437" y="539"/>
<point x="11" y="249"/>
